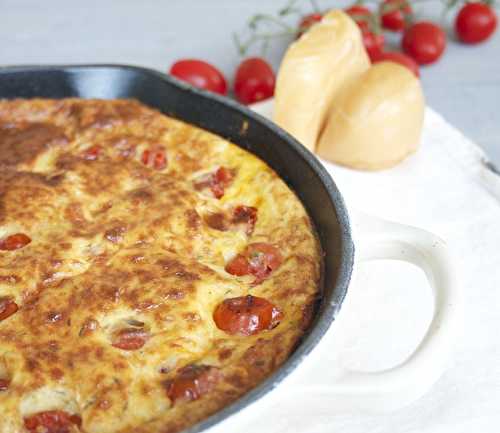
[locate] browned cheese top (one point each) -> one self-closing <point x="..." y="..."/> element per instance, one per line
<point x="150" y="271"/>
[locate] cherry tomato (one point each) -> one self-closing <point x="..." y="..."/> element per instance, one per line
<point x="217" y="182"/>
<point x="92" y="153"/>
<point x="130" y="339"/>
<point x="362" y="15"/>
<point x="155" y="158"/>
<point x="245" y="215"/>
<point x="4" y="385"/>
<point x="475" y="23"/>
<point x="254" y="81"/>
<point x="192" y="382"/>
<point x="246" y="315"/>
<point x="238" y="266"/>
<point x="393" y="13"/>
<point x="372" y="40"/>
<point x="425" y="42"/>
<point x="52" y="421"/>
<point x="307" y="21"/>
<point x="7" y="308"/>
<point x="400" y="58"/>
<point x="200" y="74"/>
<point x="14" y="242"/>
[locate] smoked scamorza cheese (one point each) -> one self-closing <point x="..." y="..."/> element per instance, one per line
<point x="314" y="69"/>
<point x="376" y="120"/>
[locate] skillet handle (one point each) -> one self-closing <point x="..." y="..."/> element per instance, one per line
<point x="400" y="385"/>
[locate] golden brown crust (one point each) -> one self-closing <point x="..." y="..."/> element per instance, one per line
<point x="117" y="244"/>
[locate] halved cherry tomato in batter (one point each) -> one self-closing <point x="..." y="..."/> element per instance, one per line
<point x="246" y="215"/>
<point x="192" y="382"/>
<point x="4" y="385"/>
<point x="400" y="58"/>
<point x="155" y="158"/>
<point x="200" y="74"/>
<point x="217" y="182"/>
<point x="254" y="81"/>
<point x="52" y="421"/>
<point x="14" y="242"/>
<point x="307" y="21"/>
<point x="394" y="13"/>
<point x="238" y="266"/>
<point x="7" y="308"/>
<point x="130" y="339"/>
<point x="259" y="259"/>
<point x="246" y="315"/>
<point x="424" y="41"/>
<point x="92" y="153"/>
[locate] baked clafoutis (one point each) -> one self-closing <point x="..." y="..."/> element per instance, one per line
<point x="151" y="272"/>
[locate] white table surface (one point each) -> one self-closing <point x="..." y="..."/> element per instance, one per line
<point x="464" y="86"/>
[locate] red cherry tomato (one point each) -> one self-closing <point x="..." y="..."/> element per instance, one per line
<point x="400" y="58"/>
<point x="217" y="182"/>
<point x="14" y="242"/>
<point x="393" y="13"/>
<point x="7" y="308"/>
<point x="475" y="23"/>
<point x="155" y="158"/>
<point x="92" y="153"/>
<point x="4" y="385"/>
<point x="238" y="266"/>
<point x="192" y="382"/>
<point x="307" y="21"/>
<point x="200" y="74"/>
<point x="130" y="339"/>
<point x="246" y="315"/>
<point x="425" y="42"/>
<point x="52" y="421"/>
<point x="246" y="216"/>
<point x="373" y="41"/>
<point x="254" y="81"/>
<point x="362" y="15"/>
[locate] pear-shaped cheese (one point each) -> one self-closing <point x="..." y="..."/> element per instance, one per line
<point x="376" y="120"/>
<point x="314" y="68"/>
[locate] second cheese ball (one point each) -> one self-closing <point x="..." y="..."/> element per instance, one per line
<point x="376" y="121"/>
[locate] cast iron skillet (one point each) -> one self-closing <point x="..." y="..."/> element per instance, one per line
<point x="296" y="165"/>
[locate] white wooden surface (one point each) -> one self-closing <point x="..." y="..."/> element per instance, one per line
<point x="464" y="86"/>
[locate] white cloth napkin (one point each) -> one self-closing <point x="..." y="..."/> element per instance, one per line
<point x="446" y="189"/>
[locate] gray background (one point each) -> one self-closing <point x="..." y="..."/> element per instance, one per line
<point x="464" y="86"/>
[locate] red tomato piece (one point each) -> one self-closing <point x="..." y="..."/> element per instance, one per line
<point x="4" y="385"/>
<point x="475" y="22"/>
<point x="155" y="158"/>
<point x="52" y="421"/>
<point x="400" y="58"/>
<point x="254" y="81"/>
<point x="425" y="42"/>
<point x="238" y="266"/>
<point x="373" y="42"/>
<point x="7" y="308"/>
<point x="130" y="339"/>
<point x="14" y="242"/>
<point x="221" y="179"/>
<point x="200" y="74"/>
<point x="263" y="259"/>
<point x="192" y="382"/>
<point x="246" y="315"/>
<point x="92" y="153"/>
<point x="307" y="21"/>
<point x="246" y="215"/>
<point x="394" y="14"/>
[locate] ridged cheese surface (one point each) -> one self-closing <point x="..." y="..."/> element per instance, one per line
<point x="117" y="243"/>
